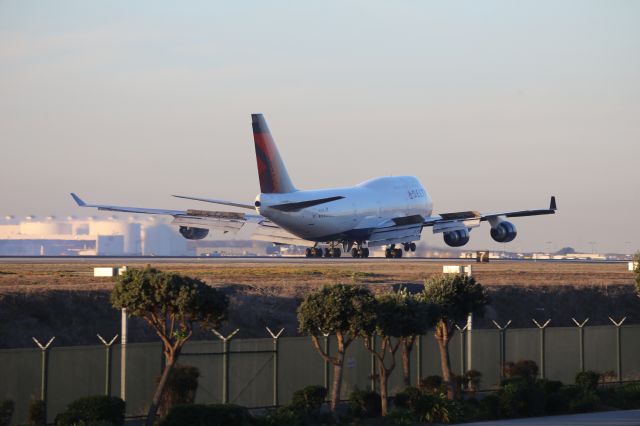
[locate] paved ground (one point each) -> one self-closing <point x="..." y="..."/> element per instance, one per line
<point x="346" y="259"/>
<point x="609" y="418"/>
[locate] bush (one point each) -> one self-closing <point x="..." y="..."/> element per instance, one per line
<point x="180" y="388"/>
<point x="521" y="398"/>
<point x="364" y="403"/>
<point x="432" y="384"/>
<point x="472" y="380"/>
<point x="308" y="399"/>
<point x="625" y="397"/>
<point x="37" y="414"/>
<point x="400" y="417"/>
<point x="525" y="369"/>
<point x="490" y="407"/>
<point x="584" y="402"/>
<point x="587" y="380"/>
<point x="6" y="412"/>
<point x="207" y="415"/>
<point x="427" y="407"/>
<point x="92" y="409"/>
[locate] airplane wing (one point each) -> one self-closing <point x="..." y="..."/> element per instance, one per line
<point x="445" y="222"/>
<point x="249" y="226"/>
<point x="221" y="202"/>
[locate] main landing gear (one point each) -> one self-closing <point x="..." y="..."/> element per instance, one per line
<point x="360" y="252"/>
<point x="392" y="252"/>
<point x="318" y="252"/>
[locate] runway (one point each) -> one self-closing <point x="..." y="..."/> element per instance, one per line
<point x="264" y="259"/>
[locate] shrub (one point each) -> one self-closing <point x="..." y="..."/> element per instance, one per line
<point x="91" y="409"/>
<point x="521" y="398"/>
<point x="6" y="412"/>
<point x="472" y="380"/>
<point x="490" y="407"/>
<point x="427" y="407"/>
<point x="625" y="397"/>
<point x="587" y="380"/>
<point x="37" y="414"/>
<point x="525" y="369"/>
<point x="180" y="388"/>
<point x="364" y="403"/>
<point x="584" y="402"/>
<point x="207" y="415"/>
<point x="400" y="417"/>
<point x="308" y="399"/>
<point x="630" y="395"/>
<point x="432" y="384"/>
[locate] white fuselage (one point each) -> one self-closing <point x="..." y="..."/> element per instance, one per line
<point x="364" y="206"/>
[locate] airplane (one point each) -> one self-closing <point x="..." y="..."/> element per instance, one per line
<point x="389" y="211"/>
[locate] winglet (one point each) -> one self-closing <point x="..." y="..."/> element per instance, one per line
<point x="78" y="200"/>
<point x="553" y="206"/>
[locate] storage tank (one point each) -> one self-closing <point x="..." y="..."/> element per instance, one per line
<point x="44" y="228"/>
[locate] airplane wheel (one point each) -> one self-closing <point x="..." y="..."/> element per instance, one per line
<point x="307" y="252"/>
<point x="365" y="252"/>
<point x="354" y="252"/>
<point x="337" y="252"/>
<point x="397" y="253"/>
<point x="407" y="247"/>
<point x="327" y="253"/>
<point x="318" y="252"/>
<point x="412" y="246"/>
<point x="387" y="253"/>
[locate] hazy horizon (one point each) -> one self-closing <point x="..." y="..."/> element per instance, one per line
<point x="493" y="105"/>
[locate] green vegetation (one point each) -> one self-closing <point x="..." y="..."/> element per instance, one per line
<point x="636" y="259"/>
<point x="37" y="415"/>
<point x="172" y="305"/>
<point x="180" y="388"/>
<point x="343" y="310"/>
<point x="92" y="409"/>
<point x="456" y="297"/>
<point x="208" y="415"/>
<point x="398" y="317"/>
<point x="6" y="412"/>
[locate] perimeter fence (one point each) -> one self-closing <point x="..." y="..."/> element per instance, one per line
<point x="266" y="372"/>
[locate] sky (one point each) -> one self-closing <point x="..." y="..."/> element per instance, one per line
<point x="493" y="105"/>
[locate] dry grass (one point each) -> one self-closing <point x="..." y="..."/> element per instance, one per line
<point x="43" y="276"/>
<point x="65" y="300"/>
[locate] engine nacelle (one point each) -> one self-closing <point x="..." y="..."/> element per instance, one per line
<point x="504" y="232"/>
<point x="456" y="238"/>
<point x="193" y="233"/>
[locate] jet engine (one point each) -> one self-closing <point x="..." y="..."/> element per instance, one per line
<point x="193" y="233"/>
<point x="456" y="238"/>
<point x="504" y="232"/>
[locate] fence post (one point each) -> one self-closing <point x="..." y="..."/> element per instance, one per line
<point x="275" y="364"/>
<point x="225" y="362"/>
<point x="542" y="342"/>
<point x="107" y="362"/>
<point x="580" y="326"/>
<point x="124" y="327"/>
<point x="44" y="367"/>
<point x="373" y="365"/>
<point x="503" y="348"/>
<point x="326" y="363"/>
<point x="419" y="360"/>
<point x="618" y="347"/>
<point x="462" y="346"/>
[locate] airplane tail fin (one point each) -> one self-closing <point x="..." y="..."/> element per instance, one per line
<point x="271" y="170"/>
